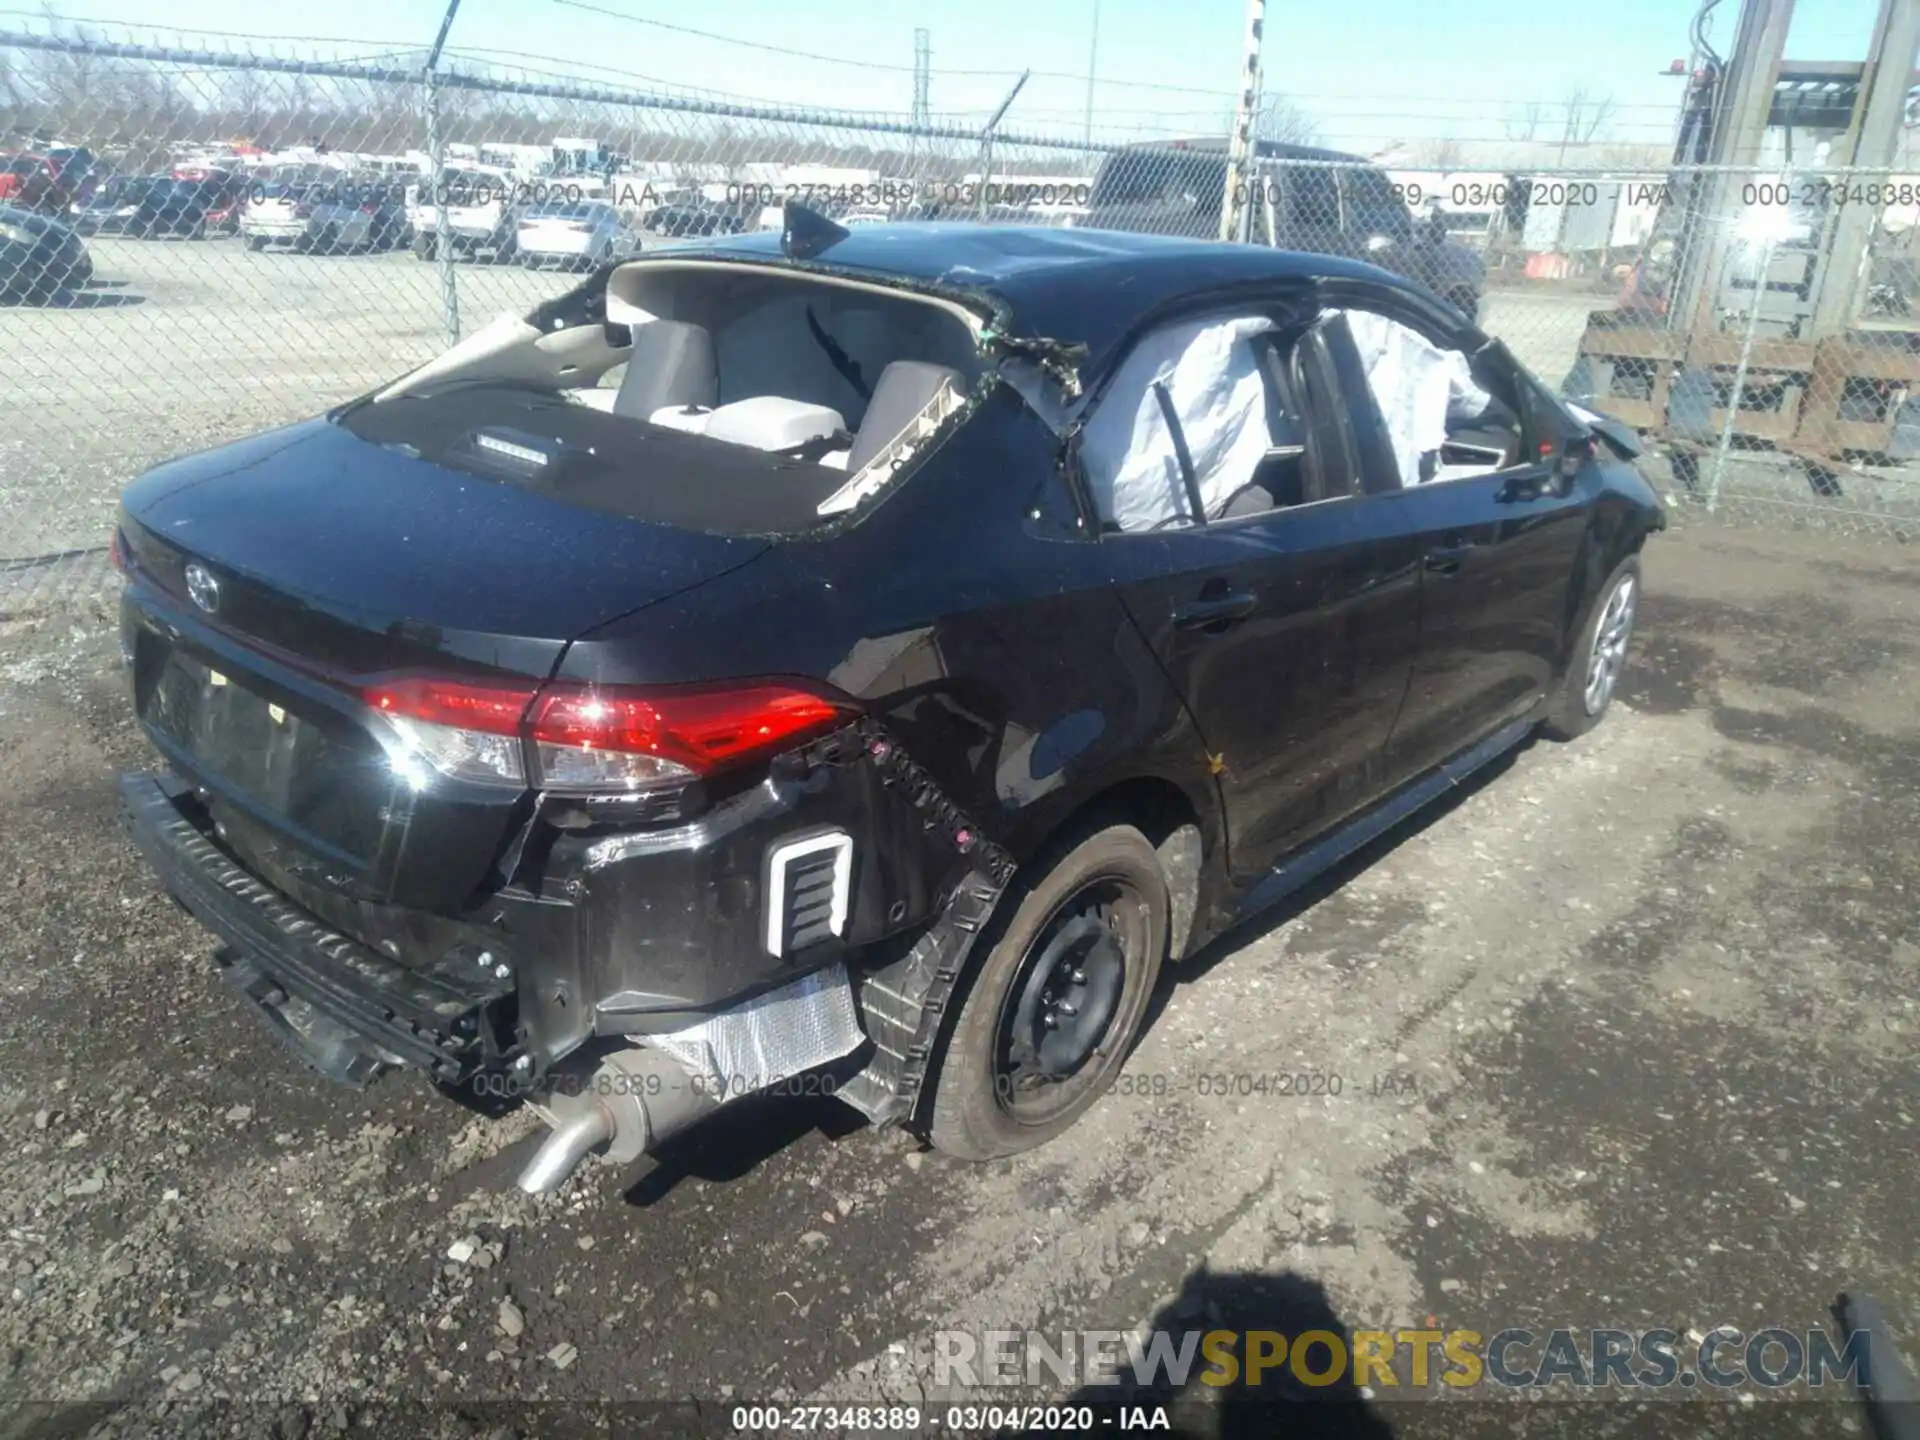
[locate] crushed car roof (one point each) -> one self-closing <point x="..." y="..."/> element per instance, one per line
<point x="1068" y="285"/>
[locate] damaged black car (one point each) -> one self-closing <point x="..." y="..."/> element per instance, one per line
<point x="854" y="659"/>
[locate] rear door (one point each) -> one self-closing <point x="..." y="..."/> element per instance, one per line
<point x="1289" y="630"/>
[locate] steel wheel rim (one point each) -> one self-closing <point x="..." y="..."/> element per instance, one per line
<point x="1610" y="639"/>
<point x="1057" y="1014"/>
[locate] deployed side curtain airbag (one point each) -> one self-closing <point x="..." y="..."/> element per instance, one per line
<point x="1219" y="395"/>
<point x="1417" y="385"/>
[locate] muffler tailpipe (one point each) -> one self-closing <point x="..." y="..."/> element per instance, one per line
<point x="634" y="1101"/>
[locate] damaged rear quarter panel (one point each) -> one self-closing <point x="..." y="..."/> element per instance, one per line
<point x="985" y="642"/>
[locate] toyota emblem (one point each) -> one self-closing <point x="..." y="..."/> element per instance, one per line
<point x="202" y="588"/>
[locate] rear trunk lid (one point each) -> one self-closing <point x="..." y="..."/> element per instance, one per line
<point x="274" y="580"/>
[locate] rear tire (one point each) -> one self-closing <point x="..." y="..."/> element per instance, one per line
<point x="1593" y="672"/>
<point x="256" y="242"/>
<point x="1054" y="1007"/>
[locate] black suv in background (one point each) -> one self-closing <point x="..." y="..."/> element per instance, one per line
<point x="1322" y="202"/>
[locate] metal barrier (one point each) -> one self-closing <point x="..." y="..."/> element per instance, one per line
<point x="375" y="209"/>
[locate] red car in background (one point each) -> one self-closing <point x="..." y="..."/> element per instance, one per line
<point x="47" y="182"/>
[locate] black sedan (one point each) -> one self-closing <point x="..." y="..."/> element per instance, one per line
<point x="695" y="219"/>
<point x="191" y="209"/>
<point x="40" y="257"/>
<point x="116" y="207"/>
<point x="935" y="631"/>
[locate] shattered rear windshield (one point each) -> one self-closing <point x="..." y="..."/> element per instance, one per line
<point x="529" y="437"/>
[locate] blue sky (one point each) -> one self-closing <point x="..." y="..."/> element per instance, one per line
<point x="1367" y="73"/>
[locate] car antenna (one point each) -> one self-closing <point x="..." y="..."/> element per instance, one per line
<point x="805" y="232"/>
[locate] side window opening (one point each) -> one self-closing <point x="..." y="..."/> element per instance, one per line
<point x="1255" y="405"/>
<point x="1213" y="379"/>
<point x="1445" y="418"/>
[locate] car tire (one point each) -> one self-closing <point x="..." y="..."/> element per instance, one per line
<point x="1072" y="961"/>
<point x="1593" y="671"/>
<point x="256" y="242"/>
<point x="423" y="247"/>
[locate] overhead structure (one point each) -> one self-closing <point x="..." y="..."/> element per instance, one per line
<point x="1764" y="283"/>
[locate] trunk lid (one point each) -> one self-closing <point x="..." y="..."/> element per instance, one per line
<point x="274" y="578"/>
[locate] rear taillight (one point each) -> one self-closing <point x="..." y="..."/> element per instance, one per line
<point x="117" y="552"/>
<point x="574" y="739"/>
<point x="580" y="227"/>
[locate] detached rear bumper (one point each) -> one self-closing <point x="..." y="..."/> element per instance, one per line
<point x="345" y="1009"/>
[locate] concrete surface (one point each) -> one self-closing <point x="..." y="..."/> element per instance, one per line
<point x="1626" y="1037"/>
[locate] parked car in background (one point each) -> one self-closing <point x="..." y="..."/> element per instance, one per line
<point x="458" y="187"/>
<point x="319" y="218"/>
<point x="483" y="220"/>
<point x="32" y="182"/>
<point x="191" y="209"/>
<point x="1321" y="202"/>
<point x="577" y="234"/>
<point x="41" y="257"/>
<point x="479" y="754"/>
<point x="697" y="217"/>
<point x="115" y="206"/>
<point x="385" y="203"/>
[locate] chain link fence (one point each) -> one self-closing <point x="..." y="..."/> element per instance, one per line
<point x="198" y="244"/>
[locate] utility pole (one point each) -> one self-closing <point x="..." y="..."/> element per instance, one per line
<point x="922" y="109"/>
<point x="922" y="77"/>
<point x="1093" y="61"/>
<point x="1236" y="211"/>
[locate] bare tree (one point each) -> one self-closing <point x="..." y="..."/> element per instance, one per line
<point x="1281" y="122"/>
<point x="245" y="97"/>
<point x="1527" y="122"/>
<point x="1585" y="115"/>
<point x="1439" y="154"/>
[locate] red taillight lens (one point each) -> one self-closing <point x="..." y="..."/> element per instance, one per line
<point x="587" y="738"/>
<point x="117" y="552"/>
<point x="700" y="729"/>
<point x="492" y="710"/>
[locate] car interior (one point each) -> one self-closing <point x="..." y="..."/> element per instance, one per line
<point x="1249" y="417"/>
<point x="831" y="375"/>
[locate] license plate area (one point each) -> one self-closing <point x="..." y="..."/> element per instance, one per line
<point x="259" y="749"/>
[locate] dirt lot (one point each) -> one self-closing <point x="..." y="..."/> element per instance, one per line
<point x="1627" y="1037"/>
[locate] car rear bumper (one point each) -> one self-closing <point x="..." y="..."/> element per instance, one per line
<point x="344" y="1008"/>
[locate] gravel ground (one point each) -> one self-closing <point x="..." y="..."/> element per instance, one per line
<point x="1626" y="1034"/>
<point x="183" y="344"/>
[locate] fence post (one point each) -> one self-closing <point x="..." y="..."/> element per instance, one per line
<point x="1746" y="351"/>
<point x="986" y="141"/>
<point x="436" y="192"/>
<point x="436" y="159"/>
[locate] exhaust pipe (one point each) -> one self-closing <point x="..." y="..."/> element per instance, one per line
<point x="562" y="1151"/>
<point x="634" y="1101"/>
<point x="642" y="1096"/>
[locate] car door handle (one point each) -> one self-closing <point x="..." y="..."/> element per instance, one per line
<point x="1447" y="559"/>
<point x="1215" y="609"/>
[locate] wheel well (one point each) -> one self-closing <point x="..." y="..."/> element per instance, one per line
<point x="1167" y="816"/>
